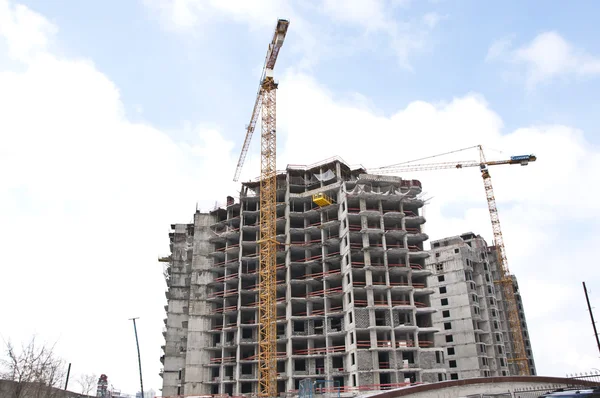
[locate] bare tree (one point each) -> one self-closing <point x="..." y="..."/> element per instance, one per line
<point x="34" y="369"/>
<point x="87" y="383"/>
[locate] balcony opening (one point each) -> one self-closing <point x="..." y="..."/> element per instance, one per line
<point x="248" y="319"/>
<point x="380" y="318"/>
<point x="213" y="389"/>
<point x="298" y="291"/>
<point x="246" y="333"/>
<point x="384" y="360"/>
<point x="385" y="380"/>
<point x="320" y="366"/>
<point x="299" y="327"/>
<point x="247" y="354"/>
<point x="300" y="365"/>
<point x="280" y="331"/>
<point x="246" y="388"/>
<point x="318" y="323"/>
<point x="246" y="369"/>
<point x="336" y="324"/>
<point x="337" y="363"/>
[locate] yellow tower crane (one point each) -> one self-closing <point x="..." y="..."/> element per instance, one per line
<point x="267" y="310"/>
<point x="518" y="357"/>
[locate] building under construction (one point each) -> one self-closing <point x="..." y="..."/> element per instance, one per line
<point x="472" y="314"/>
<point x="353" y="304"/>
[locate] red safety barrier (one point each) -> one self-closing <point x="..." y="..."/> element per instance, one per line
<point x="222" y="249"/>
<point x="317" y="350"/>
<point x="222" y="360"/>
<point x="223" y="293"/>
<point x="325" y="292"/>
<point x="225" y="278"/>
<point x="224" y="263"/>
<point x="303" y="260"/>
<point x="224" y="309"/>
<point x="405" y="343"/>
<point x="396" y="265"/>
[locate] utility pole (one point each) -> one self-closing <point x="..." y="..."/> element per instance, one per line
<point x="68" y="373"/>
<point x="591" y="315"/>
<point x="139" y="358"/>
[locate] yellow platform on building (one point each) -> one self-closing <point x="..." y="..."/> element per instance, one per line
<point x="321" y="199"/>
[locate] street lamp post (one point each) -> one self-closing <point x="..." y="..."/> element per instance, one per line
<point x="139" y="358"/>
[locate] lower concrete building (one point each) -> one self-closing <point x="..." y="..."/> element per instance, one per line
<point x="353" y="301"/>
<point x="471" y="313"/>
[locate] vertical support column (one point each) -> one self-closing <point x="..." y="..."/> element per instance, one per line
<point x="267" y="310"/>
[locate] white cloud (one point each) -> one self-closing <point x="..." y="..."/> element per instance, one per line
<point x="372" y="15"/>
<point x="545" y="207"/>
<point x="499" y="48"/>
<point x="190" y="13"/>
<point x="86" y="198"/>
<point x="372" y="25"/>
<point x="547" y="57"/>
<point x="432" y="19"/>
<point x="26" y="31"/>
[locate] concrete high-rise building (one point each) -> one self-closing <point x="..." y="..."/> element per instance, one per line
<point x="353" y="304"/>
<point x="471" y="309"/>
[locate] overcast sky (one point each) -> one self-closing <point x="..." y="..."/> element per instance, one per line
<point x="118" y="117"/>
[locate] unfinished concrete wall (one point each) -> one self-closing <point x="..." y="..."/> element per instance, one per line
<point x="471" y="314"/>
<point x="353" y="301"/>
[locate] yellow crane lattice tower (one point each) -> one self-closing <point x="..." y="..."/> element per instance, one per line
<point x="267" y="293"/>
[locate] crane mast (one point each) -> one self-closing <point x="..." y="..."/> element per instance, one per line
<point x="506" y="281"/>
<point x="267" y="293"/>
<point x="267" y="306"/>
<point x="519" y="356"/>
